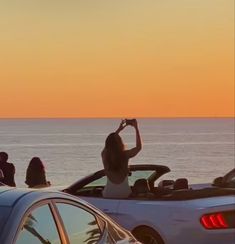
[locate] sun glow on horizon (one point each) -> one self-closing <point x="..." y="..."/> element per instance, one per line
<point x="117" y="59"/>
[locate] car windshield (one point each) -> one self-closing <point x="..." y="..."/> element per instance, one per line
<point x="226" y="181"/>
<point x="4" y="213"/>
<point x="133" y="176"/>
<point x="229" y="179"/>
<point x="230" y="176"/>
<point x="232" y="179"/>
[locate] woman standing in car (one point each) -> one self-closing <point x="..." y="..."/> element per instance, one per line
<point x="115" y="160"/>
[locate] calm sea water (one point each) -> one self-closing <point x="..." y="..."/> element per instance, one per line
<point x="199" y="149"/>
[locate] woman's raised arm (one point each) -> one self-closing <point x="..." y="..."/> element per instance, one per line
<point x="132" y="152"/>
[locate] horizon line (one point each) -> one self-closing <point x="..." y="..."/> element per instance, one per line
<point x="122" y="117"/>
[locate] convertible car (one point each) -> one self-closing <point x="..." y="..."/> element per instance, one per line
<point x="167" y="211"/>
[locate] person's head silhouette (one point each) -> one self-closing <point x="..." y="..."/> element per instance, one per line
<point x="114" y="143"/>
<point x="3" y="157"/>
<point x="35" y="174"/>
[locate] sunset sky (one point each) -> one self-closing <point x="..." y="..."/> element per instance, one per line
<point x="123" y="58"/>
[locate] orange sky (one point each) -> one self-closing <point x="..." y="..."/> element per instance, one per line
<point x="125" y="58"/>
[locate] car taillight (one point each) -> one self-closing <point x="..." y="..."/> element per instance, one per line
<point x="219" y="220"/>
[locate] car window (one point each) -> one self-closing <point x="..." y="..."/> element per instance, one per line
<point x="118" y="235"/>
<point x="81" y="225"/>
<point x="39" y="228"/>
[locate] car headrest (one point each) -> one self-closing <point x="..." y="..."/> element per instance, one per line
<point x="141" y="186"/>
<point x="180" y="184"/>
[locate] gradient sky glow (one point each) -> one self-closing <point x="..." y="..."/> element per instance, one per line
<point x="125" y="58"/>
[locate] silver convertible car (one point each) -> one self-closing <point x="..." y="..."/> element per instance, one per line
<point x="49" y="217"/>
<point x="161" y="210"/>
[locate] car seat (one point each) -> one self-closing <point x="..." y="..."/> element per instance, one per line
<point x="181" y="184"/>
<point x="141" y="187"/>
<point x="167" y="184"/>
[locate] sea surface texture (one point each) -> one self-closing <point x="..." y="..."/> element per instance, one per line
<point x="199" y="149"/>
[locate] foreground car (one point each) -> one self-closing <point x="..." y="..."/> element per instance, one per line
<point x="46" y="217"/>
<point x="166" y="211"/>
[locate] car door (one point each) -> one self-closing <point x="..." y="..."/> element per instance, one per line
<point x="108" y="206"/>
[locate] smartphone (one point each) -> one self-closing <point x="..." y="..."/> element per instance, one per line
<point x="129" y="121"/>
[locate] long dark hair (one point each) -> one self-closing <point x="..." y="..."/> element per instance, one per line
<point x="115" y="151"/>
<point x="35" y="174"/>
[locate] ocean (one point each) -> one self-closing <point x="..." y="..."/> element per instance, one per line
<point x="197" y="148"/>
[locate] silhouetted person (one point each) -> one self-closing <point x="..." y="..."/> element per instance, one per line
<point x="115" y="160"/>
<point x="8" y="170"/>
<point x="36" y="175"/>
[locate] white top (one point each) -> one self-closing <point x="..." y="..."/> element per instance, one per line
<point x="113" y="190"/>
